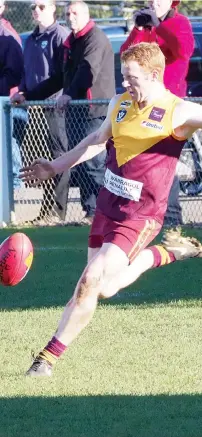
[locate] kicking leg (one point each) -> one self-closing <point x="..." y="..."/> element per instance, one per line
<point x="92" y="252"/>
<point x="143" y="262"/>
<point x="174" y="247"/>
<point x="79" y="311"/>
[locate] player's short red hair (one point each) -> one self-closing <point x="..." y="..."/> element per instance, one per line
<point x="148" y="55"/>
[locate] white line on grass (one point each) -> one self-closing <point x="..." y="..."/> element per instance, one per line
<point x="47" y="248"/>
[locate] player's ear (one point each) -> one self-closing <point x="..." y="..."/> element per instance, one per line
<point x="155" y="74"/>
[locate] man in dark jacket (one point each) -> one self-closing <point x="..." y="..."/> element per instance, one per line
<point x="8" y="29"/>
<point x="87" y="73"/>
<point x="11" y="70"/>
<point x="11" y="62"/>
<point x="43" y="54"/>
<point x="162" y="23"/>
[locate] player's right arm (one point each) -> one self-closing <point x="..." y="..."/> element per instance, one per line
<point x="92" y="145"/>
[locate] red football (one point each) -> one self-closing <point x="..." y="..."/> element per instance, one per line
<point x="16" y="255"/>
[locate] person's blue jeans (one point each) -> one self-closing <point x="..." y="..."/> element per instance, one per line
<point x="173" y="216"/>
<point x="17" y="163"/>
<point x="16" y="155"/>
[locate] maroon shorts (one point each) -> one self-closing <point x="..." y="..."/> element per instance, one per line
<point x="131" y="236"/>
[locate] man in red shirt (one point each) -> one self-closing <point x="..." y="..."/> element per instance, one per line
<point x="161" y="23"/>
<point x="173" y="33"/>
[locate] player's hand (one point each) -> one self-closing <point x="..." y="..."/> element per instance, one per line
<point x="63" y="101"/>
<point x="17" y="98"/>
<point x="39" y="171"/>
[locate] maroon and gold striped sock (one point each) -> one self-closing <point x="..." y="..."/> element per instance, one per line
<point x="53" y="350"/>
<point x="161" y="256"/>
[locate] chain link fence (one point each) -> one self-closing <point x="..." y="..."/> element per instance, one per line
<point x="40" y="130"/>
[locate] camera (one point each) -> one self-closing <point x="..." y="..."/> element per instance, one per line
<point x="143" y="20"/>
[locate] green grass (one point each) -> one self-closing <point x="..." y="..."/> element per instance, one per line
<point x="135" y="371"/>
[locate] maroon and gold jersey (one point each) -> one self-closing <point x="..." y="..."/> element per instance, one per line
<point x="142" y="158"/>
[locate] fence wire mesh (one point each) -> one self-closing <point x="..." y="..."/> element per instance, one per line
<point x="43" y="131"/>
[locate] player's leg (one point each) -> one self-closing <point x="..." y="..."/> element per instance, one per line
<point x="92" y="252"/>
<point x="95" y="240"/>
<point x="143" y="262"/>
<point x="93" y="281"/>
<point x="102" y="270"/>
<point x="79" y="311"/>
<point x="174" y="247"/>
<point x="132" y="236"/>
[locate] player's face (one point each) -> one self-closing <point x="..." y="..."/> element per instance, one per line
<point x="161" y="7"/>
<point x="136" y="80"/>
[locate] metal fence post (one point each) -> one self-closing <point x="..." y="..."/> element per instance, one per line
<point x="6" y="178"/>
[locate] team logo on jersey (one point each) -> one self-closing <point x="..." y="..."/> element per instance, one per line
<point x="44" y="44"/>
<point x="157" y="114"/>
<point x="126" y="104"/>
<point x="150" y="125"/>
<point x="121" y="114"/>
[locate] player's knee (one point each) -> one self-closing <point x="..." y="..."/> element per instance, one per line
<point x="104" y="295"/>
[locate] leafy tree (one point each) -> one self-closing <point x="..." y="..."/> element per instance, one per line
<point x="191" y="8"/>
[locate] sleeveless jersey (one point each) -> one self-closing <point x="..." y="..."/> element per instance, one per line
<point x="142" y="158"/>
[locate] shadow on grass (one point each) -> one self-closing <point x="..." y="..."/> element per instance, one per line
<point x="60" y="256"/>
<point x="102" y="416"/>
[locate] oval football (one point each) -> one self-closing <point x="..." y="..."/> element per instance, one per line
<point x="16" y="255"/>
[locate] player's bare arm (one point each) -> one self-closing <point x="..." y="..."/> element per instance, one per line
<point x="187" y="118"/>
<point x="92" y="145"/>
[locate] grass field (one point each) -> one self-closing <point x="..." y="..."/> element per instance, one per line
<point x="134" y="372"/>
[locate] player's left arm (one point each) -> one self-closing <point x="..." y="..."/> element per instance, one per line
<point x="187" y="118"/>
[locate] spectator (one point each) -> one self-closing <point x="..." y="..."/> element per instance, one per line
<point x="11" y="62"/>
<point x="11" y="69"/>
<point x="43" y="54"/>
<point x="8" y="30"/>
<point x="87" y="73"/>
<point x="162" y="23"/>
<point x="6" y="24"/>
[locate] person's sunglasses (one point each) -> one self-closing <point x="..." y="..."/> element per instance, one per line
<point x="41" y="7"/>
